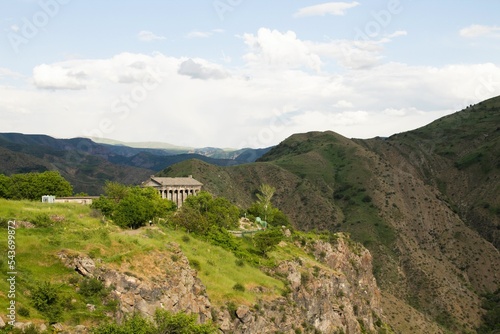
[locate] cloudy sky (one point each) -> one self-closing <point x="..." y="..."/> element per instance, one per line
<point x="241" y="73"/>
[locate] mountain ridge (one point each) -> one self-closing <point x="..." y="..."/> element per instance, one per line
<point x="88" y="165"/>
<point x="398" y="198"/>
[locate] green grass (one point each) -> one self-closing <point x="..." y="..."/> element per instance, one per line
<point x="79" y="232"/>
<point x="135" y="252"/>
<point x="220" y="272"/>
<point x="36" y="254"/>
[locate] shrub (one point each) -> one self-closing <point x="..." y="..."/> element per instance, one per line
<point x="44" y="296"/>
<point x="239" y="287"/>
<point x="23" y="311"/>
<point x="164" y="322"/>
<point x="181" y="323"/>
<point x="220" y="237"/>
<point x="42" y="220"/>
<point x="195" y="264"/>
<point x="231" y="308"/>
<point x="91" y="287"/>
<point x="266" y="241"/>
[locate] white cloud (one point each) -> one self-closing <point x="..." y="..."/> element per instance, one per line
<point x="280" y="50"/>
<point x="57" y="77"/>
<point x="199" y="34"/>
<point x="139" y="97"/>
<point x="203" y="34"/>
<point x="477" y="30"/>
<point x="343" y="104"/>
<point x="331" y="8"/>
<point x="148" y="36"/>
<point x="198" y="71"/>
<point x="354" y="54"/>
<point x="397" y="34"/>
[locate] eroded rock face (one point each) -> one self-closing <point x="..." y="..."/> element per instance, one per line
<point x="340" y="295"/>
<point x="177" y="289"/>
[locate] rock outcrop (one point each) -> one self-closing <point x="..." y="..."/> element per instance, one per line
<point x="338" y="296"/>
<point x="170" y="284"/>
<point x="331" y="290"/>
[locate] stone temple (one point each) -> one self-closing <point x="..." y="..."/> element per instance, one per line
<point x="176" y="189"/>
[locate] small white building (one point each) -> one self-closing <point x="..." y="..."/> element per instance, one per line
<point x="48" y="199"/>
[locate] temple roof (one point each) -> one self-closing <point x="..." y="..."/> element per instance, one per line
<point x="172" y="181"/>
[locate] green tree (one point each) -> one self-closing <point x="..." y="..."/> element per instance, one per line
<point x="52" y="183"/>
<point x="115" y="191"/>
<point x="192" y="220"/>
<point x="223" y="213"/>
<point x="23" y="186"/>
<point x="5" y="185"/>
<point x="279" y="218"/>
<point x="265" y="241"/>
<point x="263" y="206"/>
<point x="215" y="211"/>
<point x="134" y="211"/>
<point x="104" y="204"/>
<point x="200" y="202"/>
<point x="34" y="185"/>
<point x="132" y="206"/>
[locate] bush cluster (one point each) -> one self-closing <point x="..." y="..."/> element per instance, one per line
<point x="164" y="322"/>
<point x="132" y="207"/>
<point x="46" y="298"/>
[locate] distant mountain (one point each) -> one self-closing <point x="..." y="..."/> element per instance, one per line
<point x="82" y="162"/>
<point x="425" y="202"/>
<point x="145" y="145"/>
<point x="162" y="149"/>
<point x="87" y="164"/>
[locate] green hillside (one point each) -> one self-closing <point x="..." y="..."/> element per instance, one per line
<point x="47" y="291"/>
<point x="417" y="200"/>
<point x="460" y="155"/>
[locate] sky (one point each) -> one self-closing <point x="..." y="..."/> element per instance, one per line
<point x="241" y="73"/>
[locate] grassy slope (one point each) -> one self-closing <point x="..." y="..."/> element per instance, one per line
<point x="423" y="253"/>
<point x="78" y="232"/>
<point x="322" y="182"/>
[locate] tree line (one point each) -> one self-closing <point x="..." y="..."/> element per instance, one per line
<point x="33" y="186"/>
<point x="204" y="215"/>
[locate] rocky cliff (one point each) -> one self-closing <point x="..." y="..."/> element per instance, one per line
<point x="333" y="293"/>
<point x="332" y="290"/>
